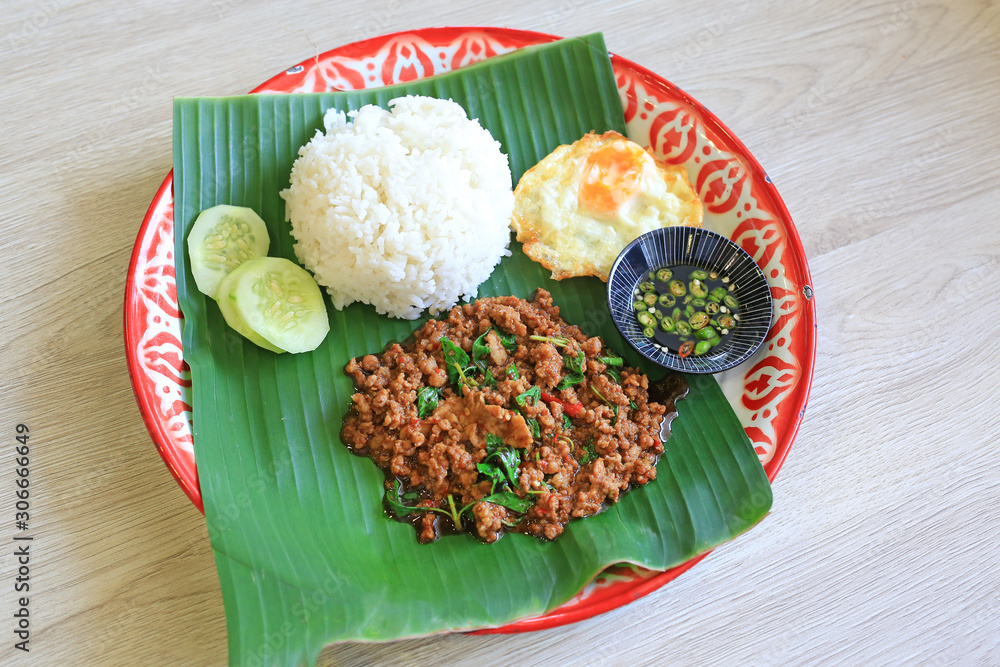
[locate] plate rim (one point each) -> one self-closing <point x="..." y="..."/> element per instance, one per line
<point x="565" y="614"/>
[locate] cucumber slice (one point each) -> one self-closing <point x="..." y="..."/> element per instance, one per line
<point x="226" y="298"/>
<point x="279" y="302"/>
<point x="222" y="238"/>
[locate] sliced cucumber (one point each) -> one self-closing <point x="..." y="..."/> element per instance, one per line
<point x="226" y="297"/>
<point x="222" y="238"/>
<point x="277" y="302"/>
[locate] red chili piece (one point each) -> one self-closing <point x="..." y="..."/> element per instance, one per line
<point x="687" y="347"/>
<point x="572" y="409"/>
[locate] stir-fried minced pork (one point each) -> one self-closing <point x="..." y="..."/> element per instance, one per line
<point x="505" y="417"/>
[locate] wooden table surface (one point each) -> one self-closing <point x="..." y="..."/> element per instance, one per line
<point x="878" y="121"/>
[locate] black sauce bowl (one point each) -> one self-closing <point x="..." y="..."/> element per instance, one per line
<point x="673" y="246"/>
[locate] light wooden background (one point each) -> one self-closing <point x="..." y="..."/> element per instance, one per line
<point x="879" y="123"/>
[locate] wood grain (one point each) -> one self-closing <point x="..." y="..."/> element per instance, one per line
<point x="878" y="123"/>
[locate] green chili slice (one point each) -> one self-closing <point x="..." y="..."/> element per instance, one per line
<point x="702" y="347"/>
<point x="698" y="320"/>
<point x="705" y="333"/>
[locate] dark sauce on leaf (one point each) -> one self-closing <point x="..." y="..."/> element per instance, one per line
<point x="672" y="388"/>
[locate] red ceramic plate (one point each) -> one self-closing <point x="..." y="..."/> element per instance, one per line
<point x="768" y="392"/>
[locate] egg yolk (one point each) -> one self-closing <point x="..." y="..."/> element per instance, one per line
<point x="611" y="176"/>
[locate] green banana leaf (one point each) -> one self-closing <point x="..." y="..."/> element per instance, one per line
<point x="305" y="553"/>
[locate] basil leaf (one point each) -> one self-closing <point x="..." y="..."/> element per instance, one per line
<point x="589" y="453"/>
<point x="427" y="401"/>
<point x="512" y="372"/>
<point x="569" y="381"/>
<point x="453" y="352"/>
<point x="575" y="367"/>
<point x="509" y="340"/>
<point x="493" y="443"/>
<point x="509" y="462"/>
<point x="534" y="393"/>
<point x="567" y="422"/>
<point x="392" y="499"/>
<point x="613" y="363"/>
<point x="536" y="429"/>
<point x="456" y="363"/>
<point x="509" y="500"/>
<point x="480" y="348"/>
<point x="611" y="360"/>
<point x="491" y="472"/>
<point x="480" y="360"/>
<point x="575" y="364"/>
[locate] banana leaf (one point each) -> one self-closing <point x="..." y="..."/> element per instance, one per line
<point x="305" y="552"/>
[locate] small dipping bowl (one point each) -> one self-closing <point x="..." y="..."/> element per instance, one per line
<point x="672" y="247"/>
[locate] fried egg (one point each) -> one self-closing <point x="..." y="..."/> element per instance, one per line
<point x="578" y="208"/>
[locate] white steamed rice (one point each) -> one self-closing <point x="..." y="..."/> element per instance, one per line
<point x="404" y="210"/>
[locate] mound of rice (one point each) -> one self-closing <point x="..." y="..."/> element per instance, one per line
<point x="404" y="210"/>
